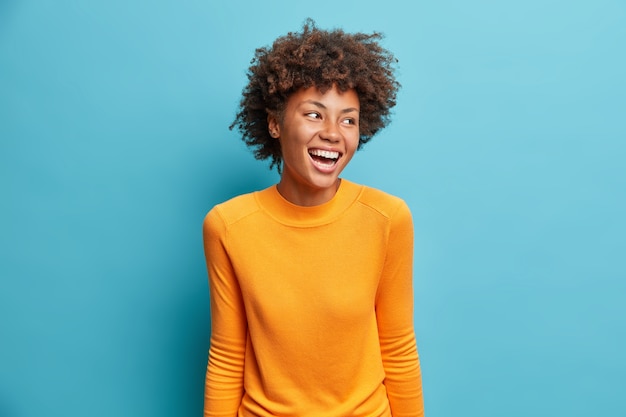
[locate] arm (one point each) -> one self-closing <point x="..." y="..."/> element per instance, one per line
<point x="394" y="313"/>
<point x="224" y="377"/>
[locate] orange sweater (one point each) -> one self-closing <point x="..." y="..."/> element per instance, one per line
<point x="312" y="307"/>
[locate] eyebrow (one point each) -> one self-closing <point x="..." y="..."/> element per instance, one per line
<point x="322" y="106"/>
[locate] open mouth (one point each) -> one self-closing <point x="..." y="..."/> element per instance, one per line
<point x="323" y="157"/>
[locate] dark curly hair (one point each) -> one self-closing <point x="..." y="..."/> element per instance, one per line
<point x="318" y="58"/>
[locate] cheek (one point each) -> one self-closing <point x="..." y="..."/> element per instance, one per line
<point x="351" y="147"/>
<point x="291" y="147"/>
<point x="353" y="143"/>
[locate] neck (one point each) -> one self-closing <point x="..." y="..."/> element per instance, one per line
<point x="306" y="196"/>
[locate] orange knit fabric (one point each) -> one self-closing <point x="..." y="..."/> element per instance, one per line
<point x="312" y="307"/>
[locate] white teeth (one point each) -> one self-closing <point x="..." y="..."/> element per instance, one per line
<point x="324" y="154"/>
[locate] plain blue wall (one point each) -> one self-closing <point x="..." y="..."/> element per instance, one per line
<point x="508" y="143"/>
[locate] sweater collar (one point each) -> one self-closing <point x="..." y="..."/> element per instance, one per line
<point x="276" y="206"/>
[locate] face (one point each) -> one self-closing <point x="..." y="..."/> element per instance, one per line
<point x="319" y="134"/>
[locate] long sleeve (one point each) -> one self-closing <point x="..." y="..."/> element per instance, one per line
<point x="394" y="314"/>
<point x="224" y="377"/>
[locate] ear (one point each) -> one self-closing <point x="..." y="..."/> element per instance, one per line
<point x="273" y="126"/>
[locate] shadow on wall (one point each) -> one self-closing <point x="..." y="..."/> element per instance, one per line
<point x="211" y="178"/>
<point x="190" y="332"/>
<point x="6" y="8"/>
<point x="4" y="409"/>
<point x="232" y="172"/>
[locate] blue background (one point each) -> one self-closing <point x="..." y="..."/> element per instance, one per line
<point x="508" y="143"/>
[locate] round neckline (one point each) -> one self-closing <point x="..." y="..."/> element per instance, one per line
<point x="288" y="213"/>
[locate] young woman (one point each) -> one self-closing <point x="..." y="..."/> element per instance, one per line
<point x="311" y="279"/>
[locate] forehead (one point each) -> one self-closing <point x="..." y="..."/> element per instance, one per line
<point x="331" y="98"/>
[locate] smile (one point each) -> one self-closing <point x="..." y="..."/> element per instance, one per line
<point x="323" y="158"/>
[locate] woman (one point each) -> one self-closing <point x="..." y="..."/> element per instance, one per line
<point x="311" y="279"/>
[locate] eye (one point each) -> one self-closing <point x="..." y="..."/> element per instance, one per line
<point x="349" y="121"/>
<point x="313" y="115"/>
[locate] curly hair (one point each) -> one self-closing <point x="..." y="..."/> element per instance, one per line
<point x="318" y="58"/>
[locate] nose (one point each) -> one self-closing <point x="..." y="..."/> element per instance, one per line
<point x="330" y="132"/>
